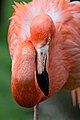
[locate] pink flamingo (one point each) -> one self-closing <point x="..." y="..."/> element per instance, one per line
<point x="44" y="44"/>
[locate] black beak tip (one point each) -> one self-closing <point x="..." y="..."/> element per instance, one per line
<point x="43" y="82"/>
<point x="46" y="92"/>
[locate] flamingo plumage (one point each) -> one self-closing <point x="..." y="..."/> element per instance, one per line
<point x="44" y="40"/>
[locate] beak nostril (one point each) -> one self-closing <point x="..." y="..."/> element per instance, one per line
<point x="41" y="53"/>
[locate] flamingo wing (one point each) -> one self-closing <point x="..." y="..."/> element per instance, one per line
<point x="73" y="50"/>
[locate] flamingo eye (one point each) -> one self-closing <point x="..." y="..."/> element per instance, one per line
<point x="49" y="39"/>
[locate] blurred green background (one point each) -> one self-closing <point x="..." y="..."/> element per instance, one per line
<point x="59" y="107"/>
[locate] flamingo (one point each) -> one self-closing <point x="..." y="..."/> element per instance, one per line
<point x="44" y="44"/>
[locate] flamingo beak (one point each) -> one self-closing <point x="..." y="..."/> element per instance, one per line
<point x="41" y="72"/>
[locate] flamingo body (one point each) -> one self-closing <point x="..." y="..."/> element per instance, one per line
<point x="44" y="37"/>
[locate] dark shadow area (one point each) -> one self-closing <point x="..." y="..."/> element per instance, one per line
<point x="0" y="10"/>
<point x="74" y="0"/>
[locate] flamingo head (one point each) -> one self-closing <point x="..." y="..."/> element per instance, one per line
<point x="42" y="31"/>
